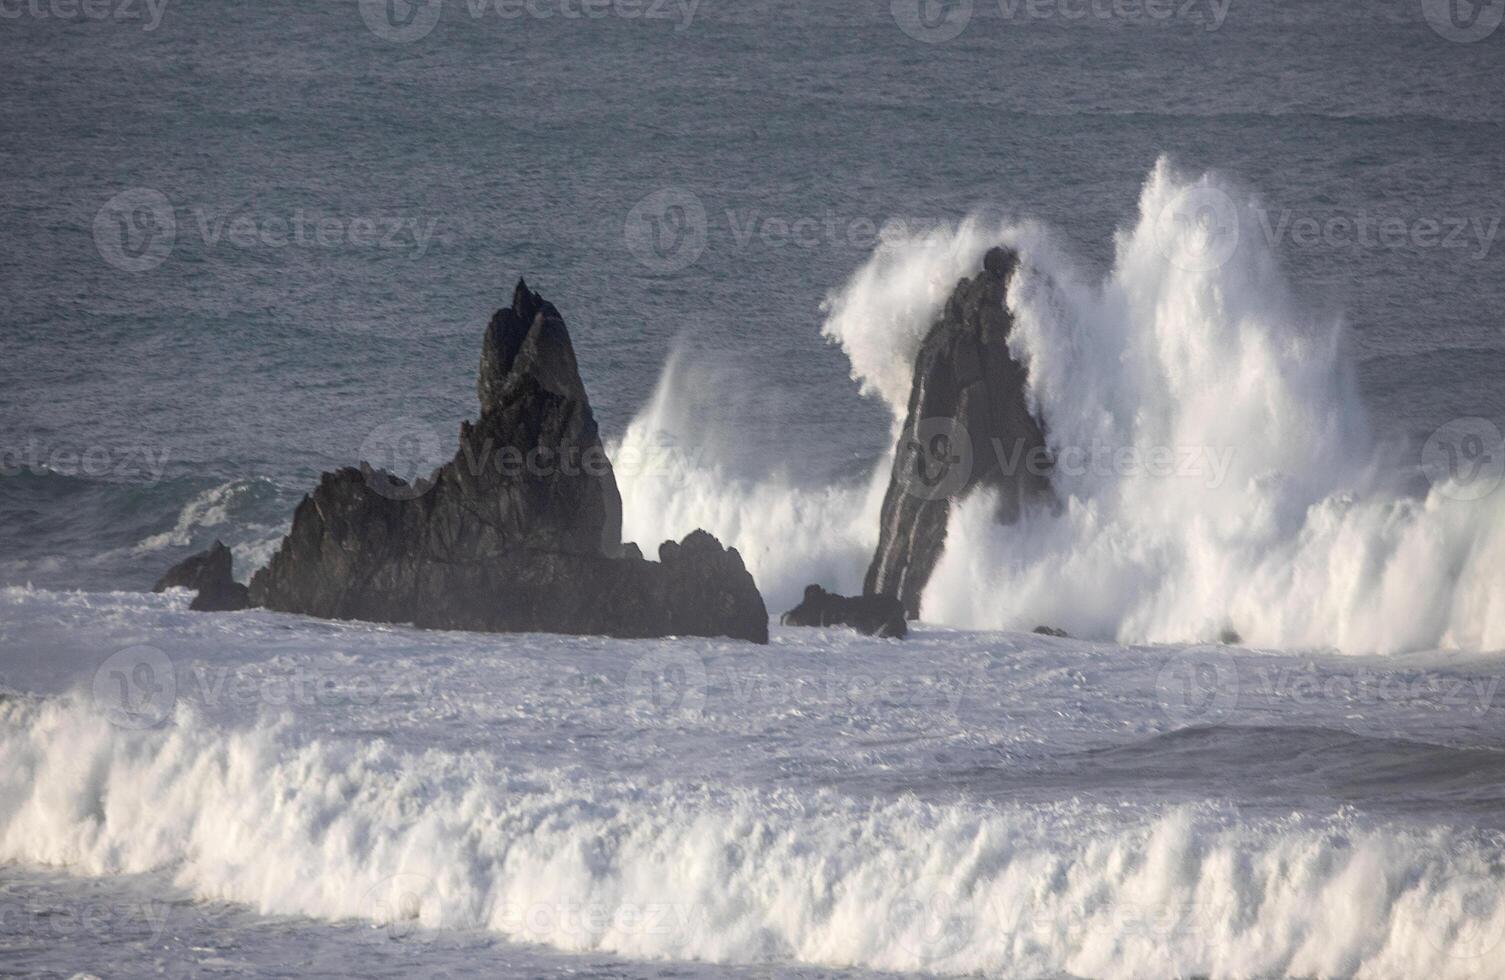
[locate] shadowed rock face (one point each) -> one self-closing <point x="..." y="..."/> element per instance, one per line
<point x="875" y="615"/>
<point x="968" y="426"/>
<point x="209" y="573"/>
<point x="520" y="531"/>
<point x="197" y="571"/>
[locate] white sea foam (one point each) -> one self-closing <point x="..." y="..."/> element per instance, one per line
<point x="1215" y="467"/>
<point x="674" y="480"/>
<point x="206" y="509"/>
<point x="1271" y="514"/>
<point x="358" y="829"/>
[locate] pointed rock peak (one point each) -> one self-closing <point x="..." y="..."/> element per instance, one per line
<point x="526" y="304"/>
<point x="1000" y="261"/>
<point x="528" y="338"/>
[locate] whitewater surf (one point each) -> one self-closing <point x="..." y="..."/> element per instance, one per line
<point x="1317" y="795"/>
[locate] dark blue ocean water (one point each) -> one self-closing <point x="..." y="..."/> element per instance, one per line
<point x="346" y="209"/>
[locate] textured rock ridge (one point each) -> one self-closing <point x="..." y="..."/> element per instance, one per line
<point x="968" y="425"/>
<point x="521" y="530"/>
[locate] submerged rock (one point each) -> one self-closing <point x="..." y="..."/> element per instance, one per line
<point x="521" y="530"/>
<point x="968" y="427"/>
<point x="875" y="615"/>
<point x="210" y="574"/>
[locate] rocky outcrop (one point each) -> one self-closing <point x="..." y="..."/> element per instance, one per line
<point x="968" y="426"/>
<point x="521" y="530"/>
<point x="874" y="615"/>
<point x="210" y="574"/>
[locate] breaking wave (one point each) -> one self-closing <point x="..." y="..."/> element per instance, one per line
<point x="1215" y="466"/>
<point x="673" y="479"/>
<point x="364" y="831"/>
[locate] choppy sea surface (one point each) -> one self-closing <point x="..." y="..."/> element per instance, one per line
<point x="1261" y="305"/>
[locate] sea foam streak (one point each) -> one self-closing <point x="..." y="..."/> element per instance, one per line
<point x="363" y="830"/>
<point x="1215" y="467"/>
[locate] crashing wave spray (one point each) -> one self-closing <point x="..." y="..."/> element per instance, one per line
<point x="669" y="462"/>
<point x="673" y="480"/>
<point x="1215" y="463"/>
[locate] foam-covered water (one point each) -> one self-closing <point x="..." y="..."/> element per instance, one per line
<point x="257" y="793"/>
<point x="957" y="803"/>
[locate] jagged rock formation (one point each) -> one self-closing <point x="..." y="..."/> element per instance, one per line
<point x="520" y="531"/>
<point x="210" y="574"/>
<point x="968" y="426"/>
<point x="875" y="615"/>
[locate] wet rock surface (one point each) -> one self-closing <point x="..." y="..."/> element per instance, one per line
<point x="210" y="574"/>
<point x="874" y="615"/>
<point x="520" y="531"/>
<point x="968" y="427"/>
